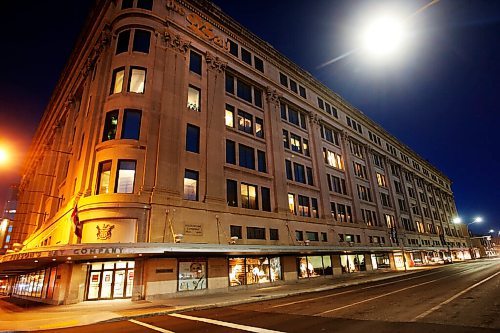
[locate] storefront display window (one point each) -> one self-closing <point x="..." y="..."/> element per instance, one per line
<point x="380" y="261"/>
<point x="312" y="266"/>
<point x="35" y="284"/>
<point x="192" y="275"/>
<point x="352" y="263"/>
<point x="253" y="270"/>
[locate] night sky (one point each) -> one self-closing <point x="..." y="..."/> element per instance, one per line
<point x="440" y="96"/>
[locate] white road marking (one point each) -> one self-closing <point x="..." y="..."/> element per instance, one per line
<point x="426" y="313"/>
<point x="349" y="291"/>
<point x="225" y="324"/>
<point x="156" y="328"/>
<point x="390" y="293"/>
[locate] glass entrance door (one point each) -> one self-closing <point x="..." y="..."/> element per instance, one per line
<point x="107" y="282"/>
<point x="94" y="283"/>
<point x="119" y="287"/>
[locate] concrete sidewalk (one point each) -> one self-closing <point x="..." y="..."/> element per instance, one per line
<point x="21" y="315"/>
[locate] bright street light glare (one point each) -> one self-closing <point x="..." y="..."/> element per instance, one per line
<point x="457" y="220"/>
<point x="478" y="219"/>
<point x="491" y="231"/>
<point x="383" y="36"/>
<point x="4" y="155"/>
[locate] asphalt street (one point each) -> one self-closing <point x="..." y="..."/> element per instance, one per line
<point x="456" y="298"/>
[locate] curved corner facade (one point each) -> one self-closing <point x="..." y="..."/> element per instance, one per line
<point x="194" y="157"/>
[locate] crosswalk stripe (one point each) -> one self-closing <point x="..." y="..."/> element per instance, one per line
<point x="225" y="324"/>
<point x="156" y="328"/>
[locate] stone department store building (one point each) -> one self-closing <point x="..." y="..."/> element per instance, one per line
<point x="199" y="159"/>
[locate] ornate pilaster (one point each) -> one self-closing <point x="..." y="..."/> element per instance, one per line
<point x="175" y="42"/>
<point x="215" y="63"/>
<point x="104" y="40"/>
<point x="272" y="96"/>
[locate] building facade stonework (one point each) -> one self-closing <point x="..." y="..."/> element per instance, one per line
<point x="199" y="158"/>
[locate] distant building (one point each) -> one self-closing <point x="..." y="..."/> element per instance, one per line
<point x="7" y="219"/>
<point x="194" y="156"/>
<point x="484" y="246"/>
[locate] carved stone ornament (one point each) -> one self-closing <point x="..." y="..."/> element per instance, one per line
<point x="70" y="102"/>
<point x="175" y="42"/>
<point x="214" y="62"/>
<point x="314" y="118"/>
<point x="104" y="232"/>
<point x="272" y="96"/>
<point x="346" y="136"/>
<point x="101" y="44"/>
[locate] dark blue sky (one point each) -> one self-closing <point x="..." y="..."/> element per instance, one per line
<point x="441" y="97"/>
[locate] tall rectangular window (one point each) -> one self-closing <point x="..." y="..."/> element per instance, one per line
<point x="125" y="176"/>
<point x="293" y="116"/>
<point x="283" y="80"/>
<point x="195" y="62"/>
<point x="230" y="152"/>
<point x="291" y="203"/>
<point x="261" y="159"/>
<point x="249" y="196"/>
<point x="266" y="199"/>
<point x="286" y="139"/>
<point x="304" y="206"/>
<point x="194" y="98"/>
<point x="117" y="81"/>
<point x="273" y="234"/>
<point x="122" y="42"/>
<point x="259" y="127"/>
<point x="244" y="91"/>
<point x="193" y="138"/>
<point x="131" y="128"/>
<point x="137" y="80"/>
<point x="314" y="205"/>
<point x="110" y="126"/>
<point x="229" y="83"/>
<point x="142" y="40"/>
<point x="246" y="56"/>
<point x="259" y="64"/>
<point x="233" y="48"/>
<point x="245" y="122"/>
<point x="145" y="4"/>
<point x="246" y="157"/>
<point x="232" y="193"/>
<point x="288" y="168"/>
<point x="299" y="173"/>
<point x="309" y="173"/>
<point x="229" y="117"/>
<point x="103" y="177"/>
<point x="257" y="95"/>
<point x="295" y="143"/>
<point x="191" y="185"/>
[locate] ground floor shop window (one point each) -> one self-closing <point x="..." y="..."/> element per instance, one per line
<point x="192" y="275"/>
<point x="109" y="280"/>
<point x="38" y="284"/>
<point x="352" y="263"/>
<point x="312" y="266"/>
<point x="252" y="270"/>
<point x="380" y="261"/>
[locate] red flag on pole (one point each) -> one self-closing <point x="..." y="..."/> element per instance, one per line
<point x="76" y="222"/>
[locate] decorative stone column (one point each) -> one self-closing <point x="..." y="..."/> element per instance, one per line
<point x="275" y="150"/>
<point x="215" y="153"/>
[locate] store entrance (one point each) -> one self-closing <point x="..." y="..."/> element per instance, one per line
<point x="110" y="280"/>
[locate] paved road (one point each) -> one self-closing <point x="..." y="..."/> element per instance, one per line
<point x="456" y="298"/>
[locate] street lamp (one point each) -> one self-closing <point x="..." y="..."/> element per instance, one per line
<point x="4" y="155"/>
<point x="477" y="219"/>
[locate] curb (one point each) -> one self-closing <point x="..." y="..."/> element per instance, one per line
<point x="250" y="300"/>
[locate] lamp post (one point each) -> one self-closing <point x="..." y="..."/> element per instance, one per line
<point x="477" y="219"/>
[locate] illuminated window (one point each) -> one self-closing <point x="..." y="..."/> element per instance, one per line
<point x="291" y="203"/>
<point x="245" y="122"/>
<point x="304" y="206"/>
<point x="191" y="185"/>
<point x="249" y="196"/>
<point x="389" y="221"/>
<point x="194" y="98"/>
<point x="137" y="80"/>
<point x="110" y="125"/>
<point x="125" y="176"/>
<point x="295" y="143"/>
<point x="333" y="159"/>
<point x="229" y="117"/>
<point x="305" y="146"/>
<point x="259" y="127"/>
<point x="117" y="81"/>
<point x="103" y="178"/>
